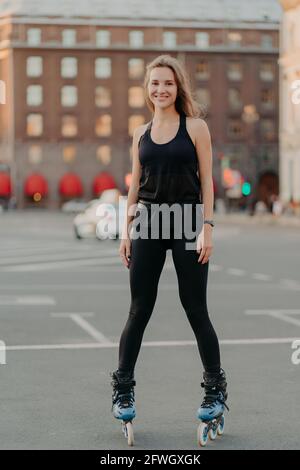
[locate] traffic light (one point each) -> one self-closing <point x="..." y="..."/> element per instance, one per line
<point x="246" y="188"/>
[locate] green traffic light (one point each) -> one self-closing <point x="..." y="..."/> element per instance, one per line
<point x="246" y="188"/>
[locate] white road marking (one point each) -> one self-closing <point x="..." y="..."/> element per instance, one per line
<point x="290" y="284"/>
<point x="26" y="300"/>
<point x="85" y="325"/>
<point x="57" y="264"/>
<point x="215" y="267"/>
<point x="262" y="277"/>
<point x="228" y="342"/>
<point x="50" y="257"/>
<point x="125" y="286"/>
<point x="280" y="314"/>
<point x="236" y="271"/>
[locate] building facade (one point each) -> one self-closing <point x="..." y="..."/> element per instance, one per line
<point x="74" y="89"/>
<point x="289" y="131"/>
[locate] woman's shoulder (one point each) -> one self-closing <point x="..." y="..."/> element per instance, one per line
<point x="197" y="125"/>
<point x="196" y="121"/>
<point x="139" y="131"/>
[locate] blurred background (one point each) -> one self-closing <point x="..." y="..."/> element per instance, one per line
<point x="71" y="94"/>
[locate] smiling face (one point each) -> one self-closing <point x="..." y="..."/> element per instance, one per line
<point x="162" y="88"/>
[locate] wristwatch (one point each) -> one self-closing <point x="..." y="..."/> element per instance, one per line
<point x="210" y="222"/>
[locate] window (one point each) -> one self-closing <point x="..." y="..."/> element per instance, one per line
<point x="102" y="38"/>
<point x="68" y="95"/>
<point x="69" y="37"/>
<point x="267" y="129"/>
<point x="34" y="125"/>
<point x="136" y="68"/>
<point x="234" y="129"/>
<point x="103" y="125"/>
<point x="136" y="97"/>
<point x="35" y="154"/>
<point x="102" y="97"/>
<point x="267" y="99"/>
<point x="69" y="153"/>
<point x="34" y="36"/>
<point x="202" y="40"/>
<point x="234" y="39"/>
<point x="203" y="97"/>
<point x="202" y="70"/>
<point x="266" y="41"/>
<point x="136" y="39"/>
<point x="234" y="71"/>
<point x="69" y="126"/>
<point x="104" y="154"/>
<point x="34" y="95"/>
<point x="169" y="39"/>
<point x="234" y="99"/>
<point x="135" y="121"/>
<point x="69" y="67"/>
<point x="34" y="66"/>
<point x="103" y="67"/>
<point x="266" y="71"/>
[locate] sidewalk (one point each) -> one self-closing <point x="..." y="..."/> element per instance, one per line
<point x="266" y="219"/>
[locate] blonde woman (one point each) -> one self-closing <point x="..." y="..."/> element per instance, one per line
<point x="172" y="165"/>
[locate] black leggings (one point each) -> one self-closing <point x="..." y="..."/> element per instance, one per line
<point x="147" y="261"/>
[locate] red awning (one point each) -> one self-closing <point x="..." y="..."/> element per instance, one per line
<point x="5" y="185"/>
<point x="36" y="183"/>
<point x="103" y="181"/>
<point x="70" y="185"/>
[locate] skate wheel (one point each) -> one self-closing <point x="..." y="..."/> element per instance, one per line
<point x="129" y="433"/>
<point x="221" y="426"/>
<point x="213" y="432"/>
<point x="202" y="434"/>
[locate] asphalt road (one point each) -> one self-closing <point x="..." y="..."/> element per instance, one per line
<point x="64" y="303"/>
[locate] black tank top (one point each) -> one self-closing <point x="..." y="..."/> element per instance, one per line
<point x="170" y="170"/>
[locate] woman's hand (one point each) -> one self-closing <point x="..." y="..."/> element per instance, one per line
<point x="125" y="251"/>
<point x="204" y="243"/>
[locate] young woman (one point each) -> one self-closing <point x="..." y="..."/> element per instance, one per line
<point x="167" y="154"/>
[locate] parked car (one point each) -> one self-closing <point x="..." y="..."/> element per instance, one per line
<point x="108" y="210"/>
<point x="111" y="196"/>
<point x="111" y="220"/>
<point x="74" y="206"/>
<point x="84" y="224"/>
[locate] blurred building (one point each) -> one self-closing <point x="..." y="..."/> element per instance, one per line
<point x="290" y="102"/>
<point x="74" y="72"/>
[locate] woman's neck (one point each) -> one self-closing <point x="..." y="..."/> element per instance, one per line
<point x="165" y="117"/>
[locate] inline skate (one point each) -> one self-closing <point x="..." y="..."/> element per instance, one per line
<point x="123" y="402"/>
<point x="212" y="408"/>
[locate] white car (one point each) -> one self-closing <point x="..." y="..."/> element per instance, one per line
<point x="85" y="223"/>
<point x="111" y="220"/>
<point x="74" y="206"/>
<point x="101" y="217"/>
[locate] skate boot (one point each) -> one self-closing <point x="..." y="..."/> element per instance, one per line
<point x="123" y="404"/>
<point x="212" y="407"/>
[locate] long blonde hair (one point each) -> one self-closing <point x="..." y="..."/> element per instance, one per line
<point x="186" y="102"/>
